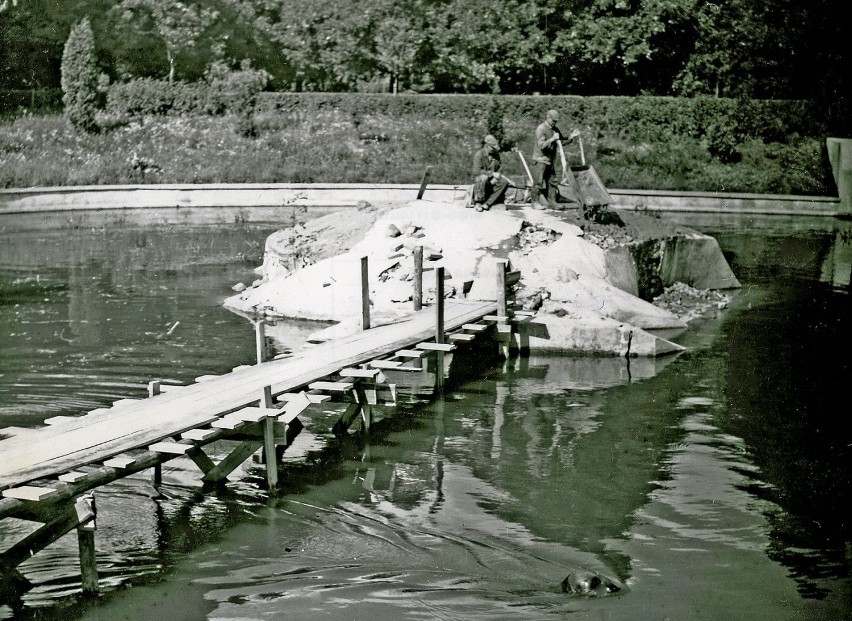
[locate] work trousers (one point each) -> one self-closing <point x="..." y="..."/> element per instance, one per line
<point x="488" y="191"/>
<point x="543" y="183"/>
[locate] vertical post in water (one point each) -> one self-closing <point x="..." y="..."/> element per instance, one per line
<point x="269" y="452"/>
<point x="153" y="391"/>
<point x="260" y="340"/>
<point x="418" y="278"/>
<point x="502" y="307"/>
<point x="439" y="326"/>
<point x="423" y="182"/>
<point x="365" y="293"/>
<point x="86" y="544"/>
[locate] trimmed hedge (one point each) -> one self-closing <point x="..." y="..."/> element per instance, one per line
<point x="648" y="118"/>
<point x="723" y="123"/>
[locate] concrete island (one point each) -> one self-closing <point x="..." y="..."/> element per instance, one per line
<point x="598" y="289"/>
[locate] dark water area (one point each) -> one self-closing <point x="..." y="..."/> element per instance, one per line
<point x="710" y="485"/>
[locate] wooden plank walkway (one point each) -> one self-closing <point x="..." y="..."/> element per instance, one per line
<point x="69" y="444"/>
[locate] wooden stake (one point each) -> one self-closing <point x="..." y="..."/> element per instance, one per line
<point x="423" y="182"/>
<point x="260" y="340"/>
<point x="365" y="294"/>
<point x="418" y="278"/>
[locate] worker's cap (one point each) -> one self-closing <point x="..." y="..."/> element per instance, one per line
<point x="553" y="115"/>
<point x="491" y="141"/>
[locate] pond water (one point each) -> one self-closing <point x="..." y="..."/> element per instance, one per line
<point x="711" y="484"/>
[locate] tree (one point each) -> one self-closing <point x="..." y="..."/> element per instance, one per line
<point x="80" y="78"/>
<point x="177" y="24"/>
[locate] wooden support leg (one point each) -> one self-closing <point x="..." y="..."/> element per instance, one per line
<point x="70" y="517"/>
<point x="232" y="461"/>
<point x="158" y="475"/>
<point x="88" y="565"/>
<point x="201" y="459"/>
<point x="270" y="453"/>
<point x="349" y="414"/>
<point x="366" y="406"/>
<point x="260" y="340"/>
<point x="439" y="325"/>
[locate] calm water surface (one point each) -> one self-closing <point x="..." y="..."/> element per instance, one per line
<point x="712" y="484"/>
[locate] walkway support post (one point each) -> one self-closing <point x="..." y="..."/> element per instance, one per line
<point x="87" y="513"/>
<point x="153" y="391"/>
<point x="502" y="307"/>
<point x="270" y="454"/>
<point x="365" y="293"/>
<point x="260" y="340"/>
<point x="439" y="326"/>
<point x="418" y="278"/>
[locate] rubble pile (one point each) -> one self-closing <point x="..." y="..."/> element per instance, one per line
<point x="690" y="303"/>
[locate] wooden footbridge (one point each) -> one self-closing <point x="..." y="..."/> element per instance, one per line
<point x="48" y="474"/>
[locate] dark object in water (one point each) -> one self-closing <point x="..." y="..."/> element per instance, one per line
<point x="588" y="583"/>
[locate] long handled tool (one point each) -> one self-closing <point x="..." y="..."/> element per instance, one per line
<point x="565" y="170"/>
<point x="526" y="168"/>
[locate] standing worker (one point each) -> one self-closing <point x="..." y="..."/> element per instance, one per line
<point x="544" y="150"/>
<point x="489" y="184"/>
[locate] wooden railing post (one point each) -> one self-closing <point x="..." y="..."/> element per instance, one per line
<point x="365" y="294"/>
<point x="418" y="278"/>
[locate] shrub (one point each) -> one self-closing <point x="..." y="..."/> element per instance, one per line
<point x="80" y="78"/>
<point x="236" y="91"/>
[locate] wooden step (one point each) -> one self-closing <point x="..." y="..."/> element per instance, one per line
<point x="199" y="435"/>
<point x="72" y="477"/>
<point x="121" y="461"/>
<point x="205" y="378"/>
<point x="497" y="318"/>
<point x="313" y="398"/>
<point x="331" y="386"/>
<point x="461" y="336"/>
<point x="474" y="327"/>
<point x="170" y="448"/>
<point x="411" y="353"/>
<point x="29" y="492"/>
<point x="385" y="364"/>
<point x="254" y="414"/>
<point x="359" y="373"/>
<point x="229" y="422"/>
<point x="429" y="346"/>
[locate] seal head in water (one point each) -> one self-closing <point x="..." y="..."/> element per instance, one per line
<point x="588" y="583"/>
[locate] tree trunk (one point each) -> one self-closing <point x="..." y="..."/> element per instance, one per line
<point x="171" y="67"/>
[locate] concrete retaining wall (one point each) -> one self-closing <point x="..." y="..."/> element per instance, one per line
<point x="61" y="199"/>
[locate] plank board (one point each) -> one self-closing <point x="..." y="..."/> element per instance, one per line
<point x="55" y="449"/>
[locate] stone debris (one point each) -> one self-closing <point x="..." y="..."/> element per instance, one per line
<point x="690" y="303"/>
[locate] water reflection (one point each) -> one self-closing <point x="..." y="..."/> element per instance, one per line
<point x="717" y="471"/>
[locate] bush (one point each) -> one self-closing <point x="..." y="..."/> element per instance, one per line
<point x="80" y="78"/>
<point x="236" y="91"/>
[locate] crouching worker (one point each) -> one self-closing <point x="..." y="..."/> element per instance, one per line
<point x="489" y="184"/>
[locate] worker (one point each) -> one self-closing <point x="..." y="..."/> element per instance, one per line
<point x="489" y="184"/>
<point x="544" y="151"/>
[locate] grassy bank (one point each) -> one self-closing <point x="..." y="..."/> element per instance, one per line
<point x="326" y="146"/>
